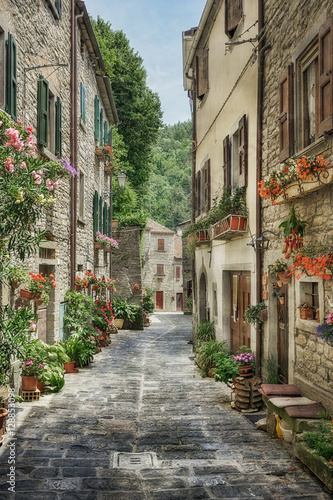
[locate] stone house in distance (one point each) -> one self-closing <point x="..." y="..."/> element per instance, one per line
<point x="297" y="119"/>
<point x="162" y="266"/>
<point x="220" y="76"/>
<point x="50" y="79"/>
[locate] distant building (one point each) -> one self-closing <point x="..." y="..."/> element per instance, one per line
<point x="187" y="267"/>
<point x="162" y="266"/>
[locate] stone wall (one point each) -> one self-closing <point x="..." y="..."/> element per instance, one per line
<point x="290" y="28"/>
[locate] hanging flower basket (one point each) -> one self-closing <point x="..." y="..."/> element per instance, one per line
<point x="284" y="277"/>
<point x="78" y="287"/>
<point x="26" y="294"/>
<point x="99" y="153"/>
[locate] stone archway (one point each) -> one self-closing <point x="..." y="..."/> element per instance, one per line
<point x="202" y="297"/>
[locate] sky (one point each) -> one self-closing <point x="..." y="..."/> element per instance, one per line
<point x="154" y="29"/>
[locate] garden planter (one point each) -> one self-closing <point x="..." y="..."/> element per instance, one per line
<point x="237" y="223"/>
<point x="29" y="383"/>
<point x="69" y="367"/>
<point x="281" y="300"/>
<point x="318" y="465"/>
<point x="245" y="371"/>
<point x="306" y="313"/>
<point x="98" y="245"/>
<point x="284" y="277"/>
<point x="78" y="287"/>
<point x="3" y="415"/>
<point x="26" y="294"/>
<point x="119" y="323"/>
<point x="40" y="386"/>
<point x="99" y="153"/>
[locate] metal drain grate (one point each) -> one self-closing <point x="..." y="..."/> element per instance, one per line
<point x="145" y="460"/>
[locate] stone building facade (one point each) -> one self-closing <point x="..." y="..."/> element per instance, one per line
<point x="297" y="119"/>
<point x="187" y="268"/>
<point x="220" y="76"/>
<point x="56" y="66"/>
<point x="162" y="266"/>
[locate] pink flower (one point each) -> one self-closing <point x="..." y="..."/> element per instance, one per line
<point x="23" y="164"/>
<point x="40" y="172"/>
<point x="41" y="366"/>
<point x="56" y="184"/>
<point x="24" y="367"/>
<point x="20" y="122"/>
<point x="49" y="187"/>
<point x="9" y="165"/>
<point x="33" y="327"/>
<point x="29" y="362"/>
<point x="29" y="129"/>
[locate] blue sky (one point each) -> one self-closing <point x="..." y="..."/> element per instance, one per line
<point x="154" y="29"/>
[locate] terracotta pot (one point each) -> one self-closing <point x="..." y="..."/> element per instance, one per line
<point x="26" y="294"/>
<point x="3" y="415"/>
<point x="78" y="287"/>
<point x="94" y="288"/>
<point x="39" y="302"/>
<point x="98" y="245"/>
<point x="69" y="367"/>
<point x="40" y="386"/>
<point x="237" y="223"/>
<point x="306" y="313"/>
<point x="281" y="300"/>
<point x="245" y="371"/>
<point x="284" y="277"/>
<point x="29" y="383"/>
<point x="263" y="314"/>
<point x="119" y="323"/>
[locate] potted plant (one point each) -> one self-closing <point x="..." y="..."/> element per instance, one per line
<point x="315" y="260"/>
<point x="39" y="287"/>
<point x="245" y="361"/>
<point x="122" y="311"/>
<point x="103" y="241"/>
<point x="306" y="311"/>
<point x="148" y="305"/>
<point x="226" y="370"/>
<point x="205" y="353"/>
<point x="17" y="275"/>
<point x="31" y="369"/>
<point x="3" y="415"/>
<point x="294" y="230"/>
<point x="281" y="269"/>
<point x="325" y="330"/>
<point x="280" y="296"/>
<point x="253" y="315"/>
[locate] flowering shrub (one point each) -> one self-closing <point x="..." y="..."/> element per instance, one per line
<point x="107" y="242"/>
<point x="27" y="184"/>
<point x="32" y="367"/>
<point x="316" y="260"/>
<point x="41" y="284"/>
<point x="295" y="169"/>
<point x="84" y="282"/>
<point x="325" y="330"/>
<point x="244" y="358"/>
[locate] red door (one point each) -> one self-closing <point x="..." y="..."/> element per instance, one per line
<point x="159" y="300"/>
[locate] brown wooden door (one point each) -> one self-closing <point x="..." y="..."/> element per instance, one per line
<point x="283" y="343"/>
<point x="179" y="302"/>
<point x="240" y="300"/>
<point x="159" y="300"/>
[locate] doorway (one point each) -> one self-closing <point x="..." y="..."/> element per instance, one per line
<point x="159" y="300"/>
<point x="240" y="300"/>
<point x="283" y="334"/>
<point x="202" y="297"/>
<point x="179" y="302"/>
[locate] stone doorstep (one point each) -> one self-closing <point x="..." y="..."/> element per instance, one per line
<point x="297" y="424"/>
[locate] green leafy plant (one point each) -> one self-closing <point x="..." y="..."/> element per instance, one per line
<point x="321" y="441"/>
<point x="123" y="309"/>
<point x="148" y="305"/>
<point x="79" y="349"/>
<point x="205" y="354"/>
<point x="279" y="266"/>
<point x="252" y="314"/>
<point x="78" y="312"/>
<point x="204" y="331"/>
<point x="226" y="368"/>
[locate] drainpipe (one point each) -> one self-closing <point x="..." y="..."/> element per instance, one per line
<point x="258" y="174"/>
<point x="73" y="141"/>
<point x="111" y="196"/>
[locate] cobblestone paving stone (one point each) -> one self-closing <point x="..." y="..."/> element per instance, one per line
<point x="143" y="393"/>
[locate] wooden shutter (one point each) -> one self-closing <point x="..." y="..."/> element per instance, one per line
<point x="97" y="116"/>
<point x="101" y="126"/>
<point x="233" y="16"/>
<point x="43" y="111"/>
<point x="202" y="72"/>
<point x="177" y="273"/>
<point x="325" y="110"/>
<point x="160" y="244"/>
<point x="286" y="123"/>
<point x="198" y="194"/>
<point x="58" y="129"/>
<point x="100" y="219"/>
<point x="11" y="77"/>
<point x="106" y="132"/>
<point x="226" y="162"/>
<point x="83" y="103"/>
<point x="206" y="186"/>
<point x="105" y="219"/>
<point x="160" y="269"/>
<point x="95" y="212"/>
<point x="58" y="6"/>
<point x="109" y="137"/>
<point x="242" y="151"/>
<point x="109" y="223"/>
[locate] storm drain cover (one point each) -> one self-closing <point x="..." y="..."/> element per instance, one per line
<point x="145" y="460"/>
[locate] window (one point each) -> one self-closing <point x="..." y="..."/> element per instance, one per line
<point x="106" y="132"/>
<point x="160" y="269"/>
<point x="43" y="111"/>
<point x="81" y="195"/>
<point x="11" y="77"/>
<point x="226" y="162"/>
<point x="233" y="16"/>
<point x="235" y="158"/>
<point x="105" y="218"/>
<point x="49" y="127"/>
<point x="198" y="193"/>
<point x="177" y="273"/>
<point x="202" y="72"/>
<point x="206" y="186"/>
<point x="56" y="7"/>
<point x="100" y="215"/>
<point x="83" y="103"/>
<point x="160" y="245"/>
<point x="101" y="127"/>
<point x="286" y="113"/>
<point x="95" y="212"/>
<point x="214" y="299"/>
<point x="58" y="129"/>
<point x="97" y="118"/>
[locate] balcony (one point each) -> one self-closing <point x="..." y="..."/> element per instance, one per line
<point x="229" y="227"/>
<point x="202" y="236"/>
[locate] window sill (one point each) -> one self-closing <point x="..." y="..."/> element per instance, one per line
<point x="46" y="152"/>
<point x="316" y="148"/>
<point x="53" y="9"/>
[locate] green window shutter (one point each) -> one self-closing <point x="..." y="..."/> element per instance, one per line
<point x="95" y="212"/>
<point x="106" y="132"/>
<point x="100" y="221"/>
<point x="109" y="137"/>
<point x="109" y="224"/>
<point x="96" y="118"/>
<point x="11" y="77"/>
<point x="83" y="103"/>
<point x="101" y="126"/>
<point x="43" y="111"/>
<point x="58" y="129"/>
<point x="105" y="218"/>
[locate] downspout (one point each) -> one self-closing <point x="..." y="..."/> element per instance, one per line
<point x="73" y="139"/>
<point x="111" y="196"/>
<point x="258" y="174"/>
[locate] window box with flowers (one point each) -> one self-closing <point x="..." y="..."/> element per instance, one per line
<point x="296" y="178"/>
<point x="103" y="241"/>
<point x="38" y="287"/>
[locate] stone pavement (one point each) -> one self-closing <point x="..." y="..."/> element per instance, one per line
<point x="143" y="393"/>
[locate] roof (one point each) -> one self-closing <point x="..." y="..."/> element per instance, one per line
<point x="178" y="247"/>
<point x="155" y="227"/>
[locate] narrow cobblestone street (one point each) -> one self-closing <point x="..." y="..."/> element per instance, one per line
<point x="143" y="393"/>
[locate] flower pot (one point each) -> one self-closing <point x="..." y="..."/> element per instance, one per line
<point x="98" y="245"/>
<point x="281" y="300"/>
<point x="29" y="383"/>
<point x="306" y="313"/>
<point x="26" y="294"/>
<point x="237" y="223"/>
<point x="94" y="288"/>
<point x="119" y="323"/>
<point x="245" y="371"/>
<point x="39" y="302"/>
<point x="40" y="386"/>
<point x="69" y="367"/>
<point x="78" y="287"/>
<point x="3" y="415"/>
<point x="99" y="153"/>
<point x="263" y="314"/>
<point x="284" y="277"/>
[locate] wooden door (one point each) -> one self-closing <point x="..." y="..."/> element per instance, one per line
<point x="159" y="300"/>
<point x="283" y="334"/>
<point x="240" y="300"/>
<point x="179" y="302"/>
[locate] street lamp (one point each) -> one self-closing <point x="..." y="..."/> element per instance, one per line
<point x="121" y="181"/>
<point x="260" y="242"/>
